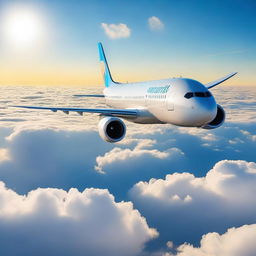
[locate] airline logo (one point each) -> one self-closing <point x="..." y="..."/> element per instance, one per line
<point x="162" y="89"/>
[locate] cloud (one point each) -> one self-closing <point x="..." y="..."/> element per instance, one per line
<point x="116" y="31"/>
<point x="52" y="158"/>
<point x="236" y="241"/>
<point x="186" y="207"/>
<point x="119" y="155"/>
<point x="53" y="221"/>
<point x="155" y="23"/>
<point x="65" y="158"/>
<point x="212" y="146"/>
<point x="4" y="155"/>
<point x="124" y="167"/>
<point x="64" y="155"/>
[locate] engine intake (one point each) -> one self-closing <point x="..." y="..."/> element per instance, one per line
<point x="218" y="120"/>
<point x="111" y="129"/>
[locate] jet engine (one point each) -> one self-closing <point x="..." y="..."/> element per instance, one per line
<point x="111" y="129"/>
<point x="218" y="120"/>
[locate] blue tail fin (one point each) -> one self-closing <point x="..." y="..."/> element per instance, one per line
<point x="104" y="67"/>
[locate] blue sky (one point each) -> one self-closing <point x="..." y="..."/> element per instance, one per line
<point x="199" y="39"/>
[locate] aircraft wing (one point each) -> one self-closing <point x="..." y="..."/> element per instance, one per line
<point x="80" y="111"/>
<point x="220" y="80"/>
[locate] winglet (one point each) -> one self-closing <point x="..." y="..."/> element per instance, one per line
<point x="104" y="67"/>
<point x="220" y="80"/>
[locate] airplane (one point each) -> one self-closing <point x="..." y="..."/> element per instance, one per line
<point x="177" y="101"/>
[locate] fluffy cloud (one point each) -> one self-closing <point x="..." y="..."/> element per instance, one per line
<point x="186" y="207"/>
<point x="235" y="242"/>
<point x="51" y="158"/>
<point x="56" y="222"/>
<point x="155" y="23"/>
<point x="123" y="167"/>
<point x="231" y="141"/>
<point x="120" y="156"/>
<point x="116" y="31"/>
<point x="65" y="159"/>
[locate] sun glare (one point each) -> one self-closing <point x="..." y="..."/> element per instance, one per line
<point x="22" y="28"/>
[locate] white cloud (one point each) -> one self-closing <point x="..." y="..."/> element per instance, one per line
<point x="223" y="180"/>
<point x="116" y="31"/>
<point x="155" y="23"/>
<point x="224" y="197"/>
<point x="118" y="155"/>
<point x="37" y="157"/>
<point x="4" y="154"/>
<point x="56" y="222"/>
<point x="235" y="242"/>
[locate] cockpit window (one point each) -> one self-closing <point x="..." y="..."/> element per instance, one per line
<point x="208" y="94"/>
<point x="199" y="94"/>
<point x="189" y="95"/>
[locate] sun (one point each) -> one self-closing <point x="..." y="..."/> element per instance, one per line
<point x="22" y="28"/>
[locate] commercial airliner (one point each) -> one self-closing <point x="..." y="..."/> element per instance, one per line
<point x="178" y="101"/>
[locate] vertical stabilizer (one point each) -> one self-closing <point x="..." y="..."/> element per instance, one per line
<point x="104" y="67"/>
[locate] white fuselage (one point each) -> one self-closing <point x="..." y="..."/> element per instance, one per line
<point x="164" y="101"/>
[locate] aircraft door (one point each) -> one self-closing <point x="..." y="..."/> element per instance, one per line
<point x="169" y="100"/>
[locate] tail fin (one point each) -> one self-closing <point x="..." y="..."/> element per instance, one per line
<point x="104" y="67"/>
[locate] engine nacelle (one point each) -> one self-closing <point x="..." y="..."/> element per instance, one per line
<point x="111" y="129"/>
<point x="218" y="120"/>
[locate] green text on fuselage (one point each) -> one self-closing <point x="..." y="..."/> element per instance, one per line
<point x="162" y="89"/>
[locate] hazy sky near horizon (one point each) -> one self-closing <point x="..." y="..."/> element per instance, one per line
<point x="55" y="42"/>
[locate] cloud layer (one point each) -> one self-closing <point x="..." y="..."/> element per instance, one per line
<point x="60" y="151"/>
<point x="116" y="31"/>
<point x="186" y="207"/>
<point x="56" y="222"/>
<point x="65" y="159"/>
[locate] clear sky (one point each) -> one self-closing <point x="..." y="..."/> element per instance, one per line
<point x="54" y="42"/>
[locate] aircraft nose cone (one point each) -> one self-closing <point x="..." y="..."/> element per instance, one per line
<point x="207" y="111"/>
